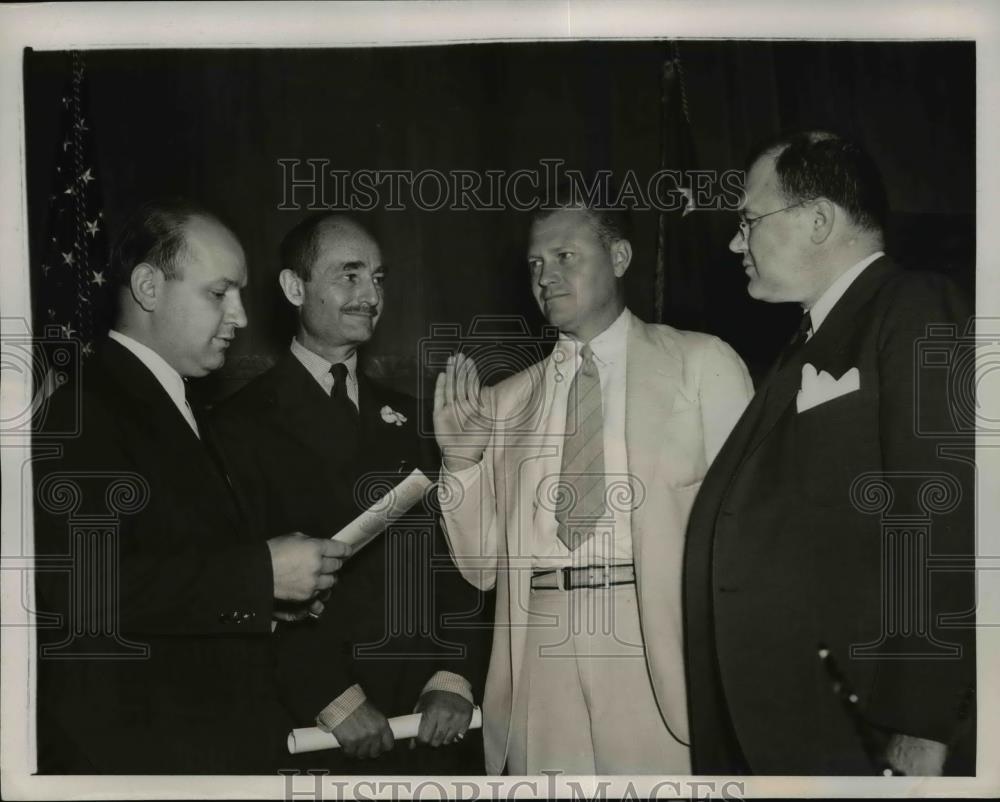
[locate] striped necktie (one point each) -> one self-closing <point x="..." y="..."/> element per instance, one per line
<point x="582" y="471"/>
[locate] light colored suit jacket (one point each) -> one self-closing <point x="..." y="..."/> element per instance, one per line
<point x="684" y="393"/>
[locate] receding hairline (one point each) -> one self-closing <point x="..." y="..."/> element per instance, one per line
<point x="207" y="222"/>
<point x="604" y="234"/>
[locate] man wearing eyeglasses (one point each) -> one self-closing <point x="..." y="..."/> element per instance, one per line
<point x="817" y="638"/>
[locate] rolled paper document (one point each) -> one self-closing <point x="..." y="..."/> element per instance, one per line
<point x="313" y="739"/>
<point x="390" y="507"/>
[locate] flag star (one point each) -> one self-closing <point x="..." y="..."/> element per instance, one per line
<point x="81" y="124"/>
<point x="88" y="349"/>
<point x="52" y="313"/>
<point x="67" y="330"/>
<point x="69" y="191"/>
<point x="65" y="102"/>
<point x="68" y="258"/>
<point x="98" y="278"/>
<point x="46" y="269"/>
<point x="91" y="228"/>
<point x="86" y="177"/>
<point x="65" y="145"/>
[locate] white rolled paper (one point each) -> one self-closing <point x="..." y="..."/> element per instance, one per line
<point x="313" y="739"/>
<point x="394" y="504"/>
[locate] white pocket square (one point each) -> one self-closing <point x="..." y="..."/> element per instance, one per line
<point x="818" y="388"/>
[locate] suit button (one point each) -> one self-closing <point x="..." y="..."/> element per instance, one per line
<point x="223" y="618"/>
<point x="247" y="616"/>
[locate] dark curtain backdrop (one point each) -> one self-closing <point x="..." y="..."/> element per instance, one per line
<point x="213" y="124"/>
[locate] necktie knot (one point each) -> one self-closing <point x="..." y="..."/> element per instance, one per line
<point x="339" y="373"/>
<point x="588" y="367"/>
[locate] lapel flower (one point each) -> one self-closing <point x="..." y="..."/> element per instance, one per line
<point x="389" y="415"/>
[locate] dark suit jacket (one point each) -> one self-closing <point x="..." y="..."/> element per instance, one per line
<point x="306" y="466"/>
<point x="782" y="559"/>
<point x="183" y="683"/>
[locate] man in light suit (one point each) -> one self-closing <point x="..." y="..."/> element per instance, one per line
<point x="159" y="660"/>
<point x="568" y="486"/>
<point x="808" y="538"/>
<point x="310" y="439"/>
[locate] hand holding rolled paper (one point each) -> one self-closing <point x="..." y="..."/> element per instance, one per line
<point x="313" y="739"/>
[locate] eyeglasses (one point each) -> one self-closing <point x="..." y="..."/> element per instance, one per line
<point x="746" y="223"/>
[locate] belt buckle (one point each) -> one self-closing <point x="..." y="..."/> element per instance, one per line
<point x="606" y="569"/>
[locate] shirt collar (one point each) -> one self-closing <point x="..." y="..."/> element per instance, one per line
<point x="318" y="366"/>
<point x="168" y="378"/>
<point x="608" y="346"/>
<point x="819" y="310"/>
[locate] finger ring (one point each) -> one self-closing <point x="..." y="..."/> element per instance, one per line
<point x="460" y="735"/>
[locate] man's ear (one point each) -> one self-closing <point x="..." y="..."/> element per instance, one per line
<point x="621" y="256"/>
<point x="146" y="285"/>
<point x="824" y="214"/>
<point x="293" y="286"/>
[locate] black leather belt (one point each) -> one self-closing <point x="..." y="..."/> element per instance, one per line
<point x="588" y="576"/>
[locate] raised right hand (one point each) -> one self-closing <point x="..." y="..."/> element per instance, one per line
<point x="304" y="566"/>
<point x="364" y="733"/>
<point x="461" y="426"/>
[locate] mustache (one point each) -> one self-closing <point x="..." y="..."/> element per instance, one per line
<point x="360" y="309"/>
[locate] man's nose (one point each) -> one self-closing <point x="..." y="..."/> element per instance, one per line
<point x="738" y="244"/>
<point x="368" y="292"/>
<point x="547" y="274"/>
<point x="236" y="314"/>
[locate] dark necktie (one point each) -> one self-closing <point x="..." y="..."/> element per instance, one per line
<point x="338" y="394"/>
<point x="582" y="472"/>
<point x="797" y="341"/>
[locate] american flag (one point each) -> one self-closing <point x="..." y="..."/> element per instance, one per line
<point x="70" y="276"/>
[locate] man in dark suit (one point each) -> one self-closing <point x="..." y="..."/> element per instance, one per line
<point x="315" y="440"/>
<point x="157" y="659"/>
<point x="817" y="637"/>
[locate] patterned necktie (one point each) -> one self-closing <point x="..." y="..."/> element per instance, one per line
<point x="582" y="472"/>
<point x="338" y="394"/>
<point x="797" y="341"/>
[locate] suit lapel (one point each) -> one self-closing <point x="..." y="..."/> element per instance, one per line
<point x="822" y="350"/>
<point x="304" y="411"/>
<point x="164" y="425"/>
<point x="652" y="380"/>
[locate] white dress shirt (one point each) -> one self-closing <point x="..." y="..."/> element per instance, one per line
<point x="818" y="311"/>
<point x="319" y="369"/>
<point x="168" y="378"/>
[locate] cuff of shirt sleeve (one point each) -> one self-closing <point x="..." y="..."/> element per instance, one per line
<point x="340" y="708"/>
<point x="447" y="681"/>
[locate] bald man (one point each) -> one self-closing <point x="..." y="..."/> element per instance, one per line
<point x="158" y="660"/>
